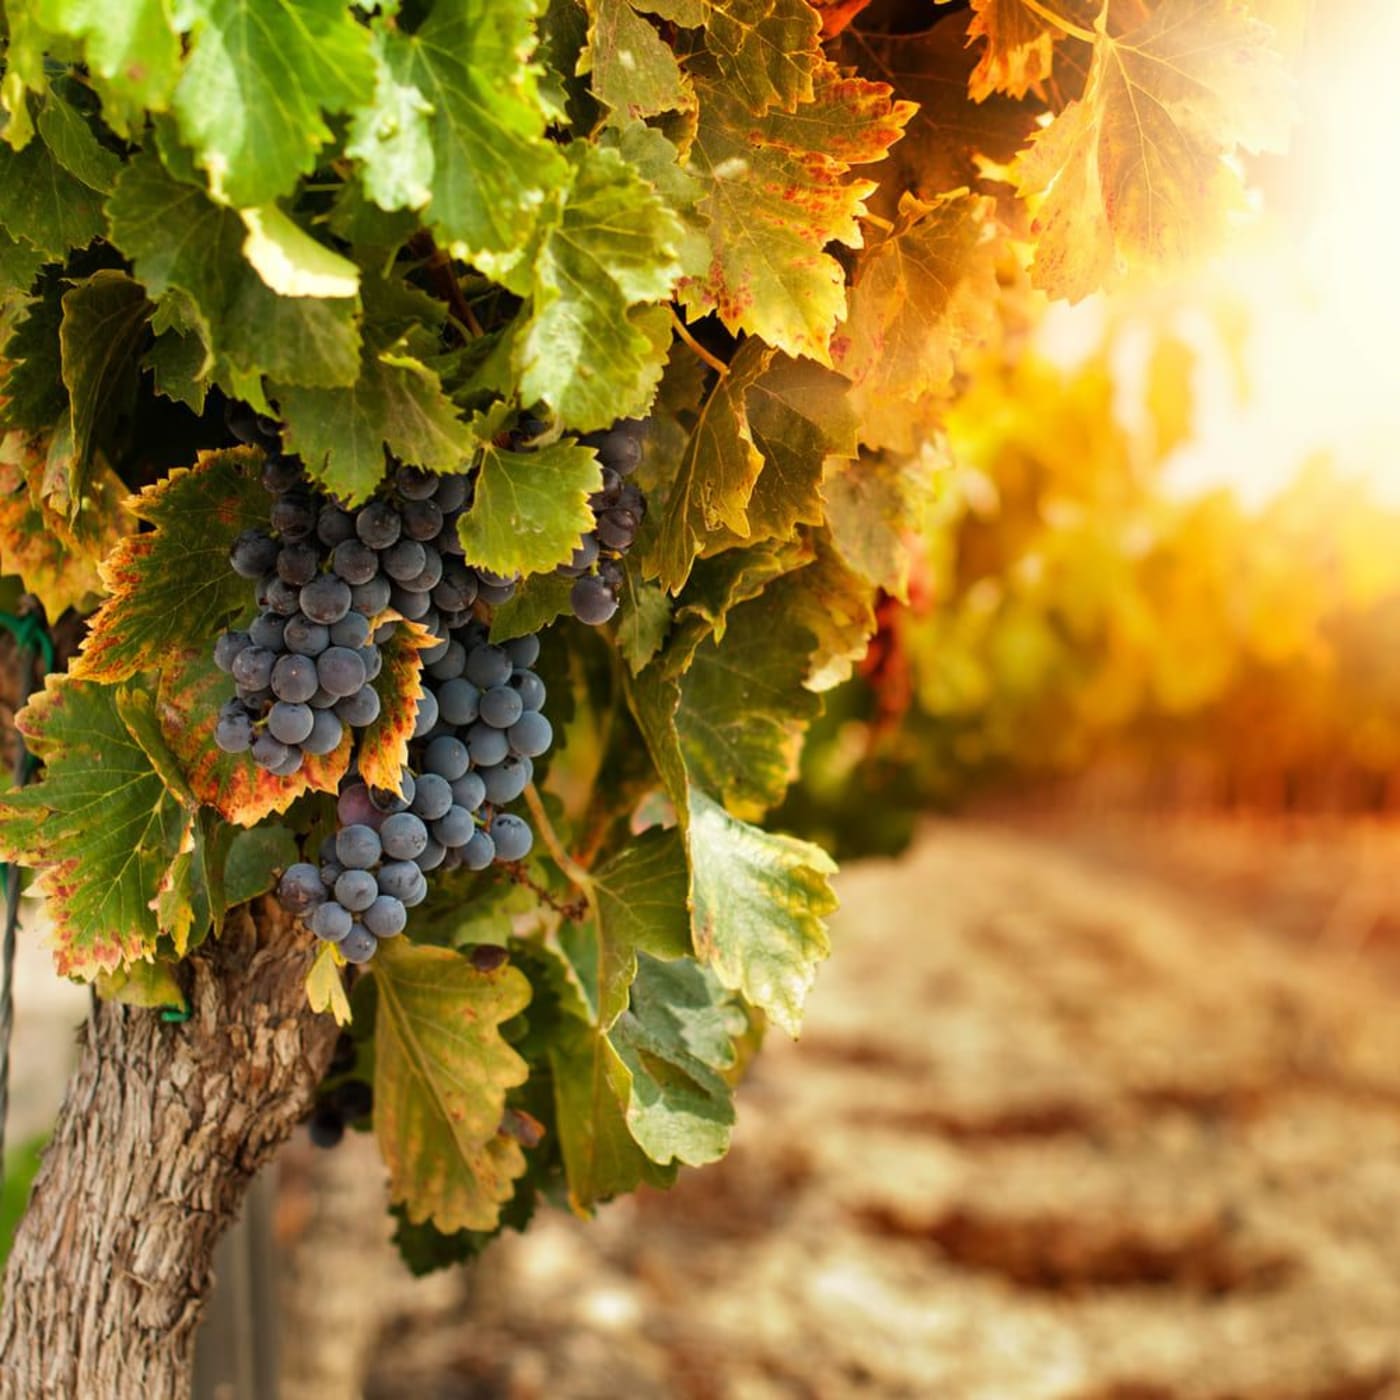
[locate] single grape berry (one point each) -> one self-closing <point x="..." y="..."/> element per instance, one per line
<point x="356" y="889"/>
<point x="487" y="957"/>
<point x="479" y="852"/>
<point x="399" y="878"/>
<point x="331" y="921"/>
<point x="432" y="797"/>
<point x="340" y="670"/>
<point x="512" y="836"/>
<point x="228" y="646"/>
<point x="469" y="791"/>
<point x="459" y="701"/>
<point x="357" y="847"/>
<point x="414" y="484"/>
<point x="530" y="735"/>
<point x="385" y="917"/>
<point x="299" y="563"/>
<point x="404" y="835"/>
<point x="422" y="520"/>
<point x="592" y="600"/>
<point x="378" y="525"/>
<point x="234" y="731"/>
<point x="530" y="688"/>
<point x="506" y="780"/>
<point x="294" y="678"/>
<point x="252" y="667"/>
<point x="355" y="562"/>
<point x="427" y="716"/>
<point x="488" y="666"/>
<point x="351" y="631"/>
<point x="455" y="828"/>
<point x="293" y="517"/>
<point x="269" y="753"/>
<point x="486" y="745"/>
<point x="290" y="722"/>
<point x="325" y="599"/>
<point x="431" y="856"/>
<point x="300" y="889"/>
<point x="305" y="637"/>
<point x="254" y="554"/>
<point x="448" y="757"/>
<point x="358" y="945"/>
<point x="523" y="651"/>
<point x="404" y="560"/>
<point x="501" y="707"/>
<point x="269" y="630"/>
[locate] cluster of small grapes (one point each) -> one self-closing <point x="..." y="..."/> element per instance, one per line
<point x="306" y="666"/>
<point x="479" y="728"/>
<point x="618" y="511"/>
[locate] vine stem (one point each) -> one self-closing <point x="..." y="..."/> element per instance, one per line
<point x="578" y="876"/>
<point x="682" y="330"/>
<point x="438" y="266"/>
<point x="1065" y="26"/>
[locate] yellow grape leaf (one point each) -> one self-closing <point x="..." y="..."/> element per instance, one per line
<point x="325" y="990"/>
<point x="384" y="744"/>
<point x="55" y="558"/>
<point x="441" y="1071"/>
<point x="1132" y="173"/>
<point x="1019" y="50"/>
<point x="777" y="190"/>
<point x="919" y="295"/>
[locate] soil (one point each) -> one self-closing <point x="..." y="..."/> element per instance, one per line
<point x="1092" y="1113"/>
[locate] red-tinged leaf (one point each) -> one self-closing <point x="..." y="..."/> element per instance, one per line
<point x="384" y="744"/>
<point x="441" y="1073"/>
<point x="102" y="828"/>
<point x="173" y="586"/>
<point x="188" y="698"/>
<point x="777" y="190"/>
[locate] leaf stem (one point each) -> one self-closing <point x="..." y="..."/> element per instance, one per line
<point x="437" y="265"/>
<point x="682" y="330"/>
<point x="1059" y="22"/>
<point x="578" y="876"/>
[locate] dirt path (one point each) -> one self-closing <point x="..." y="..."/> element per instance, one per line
<point x="1056" y="1129"/>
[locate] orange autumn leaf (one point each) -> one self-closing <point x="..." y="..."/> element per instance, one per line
<point x="384" y="744"/>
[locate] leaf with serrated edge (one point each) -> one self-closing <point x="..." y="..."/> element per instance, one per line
<point x="325" y="988"/>
<point x="190" y="693"/>
<point x="644" y="619"/>
<point x="744" y="710"/>
<point x="1132" y="173"/>
<point x="612" y="246"/>
<point x="537" y="602"/>
<point x="41" y="203"/>
<point x="174" y="585"/>
<point x="383" y="752"/>
<point x="715" y="476"/>
<point x="530" y="508"/>
<point x="677" y="1040"/>
<point x="482" y="113"/>
<point x="178" y="239"/>
<point x="1019" y="51"/>
<point x="101" y="827"/>
<point x="258" y="78"/>
<point x="132" y="49"/>
<point x="634" y="71"/>
<point x="778" y="189"/>
<point x="767" y="51"/>
<point x="760" y="899"/>
<point x="440" y="1078"/>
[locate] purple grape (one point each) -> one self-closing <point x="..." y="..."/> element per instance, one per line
<point x="331" y="921"/>
<point x="294" y="678"/>
<point x="512" y="837"/>
<point x="227" y="648"/>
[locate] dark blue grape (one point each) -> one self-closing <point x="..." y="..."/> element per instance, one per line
<point x="372" y="597"/>
<point x="530" y="688"/>
<point x="234" y="731"/>
<point x="252" y="667"/>
<point x="404" y="561"/>
<point x="415" y="484"/>
<point x="355" y="562"/>
<point x="300" y="889"/>
<point x="294" y="678"/>
<point x="486" y="745"/>
<point x="334" y="526"/>
<point x="331" y="921"/>
<point x="523" y="651"/>
<point x="501" y="707"/>
<point x="447" y="756"/>
<point x="479" y="852"/>
<point x="459" y="701"/>
<point x="512" y="836"/>
<point x="422" y="520"/>
<point x="469" y="791"/>
<point x="531" y="735"/>
<point x="431" y="856"/>
<point x="254" y="554"/>
<point x="427" y="716"/>
<point x="305" y="637"/>
<point x="386" y="916"/>
<point x="326" y="733"/>
<point x="357" y="846"/>
<point x="360" y="709"/>
<point x="592" y="601"/>
<point x="399" y="878"/>
<point x="325" y="599"/>
<point x="358" y="945"/>
<point x="356" y="889"/>
<point x="227" y="648"/>
<point x="488" y="666"/>
<point x="269" y="630"/>
<point x="378" y="525"/>
<point x="506" y="780"/>
<point x="290" y="722"/>
<point x="433" y="796"/>
<point x="298" y="564"/>
<point x="351" y="631"/>
<point x="455" y="827"/>
<point x="405" y="837"/>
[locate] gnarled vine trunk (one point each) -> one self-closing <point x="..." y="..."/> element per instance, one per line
<point x="161" y="1131"/>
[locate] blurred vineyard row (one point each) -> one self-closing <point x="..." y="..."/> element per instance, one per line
<point x="1068" y="607"/>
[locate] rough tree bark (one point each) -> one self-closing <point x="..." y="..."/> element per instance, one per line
<point x="161" y="1131"/>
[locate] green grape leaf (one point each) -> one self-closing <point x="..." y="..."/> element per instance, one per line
<point x="441" y="1073"/>
<point x="101" y="826"/>
<point x="639" y="899"/>
<point x="74" y="145"/>
<point x="103" y="329"/>
<point x="190" y="693"/>
<point x="537" y="601"/>
<point x="383" y="752"/>
<point x="715" y="476"/>
<point x="132" y="48"/>
<point x="759" y="903"/>
<point x="611" y="245"/>
<point x="644" y="619"/>
<point x="173" y="585"/>
<point x="767" y="51"/>
<point x="634" y="71"/>
<point x="42" y="204"/>
<point x="479" y="109"/>
<point x="254" y="89"/>
<point x="777" y="191"/>
<point x="179" y="240"/>
<point x="32" y="394"/>
<point x="744" y="710"/>
<point x="151" y="985"/>
<point x="390" y="137"/>
<point x="592" y="1088"/>
<point x="721" y="583"/>
<point x="291" y="261"/>
<point x="255" y="859"/>
<point x="19" y="264"/>
<point x="530" y="508"/>
<point x="677" y="1041"/>
<point x="178" y="362"/>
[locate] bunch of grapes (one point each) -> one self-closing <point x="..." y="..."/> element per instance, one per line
<point x="619" y="508"/>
